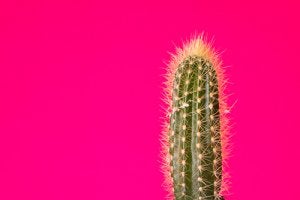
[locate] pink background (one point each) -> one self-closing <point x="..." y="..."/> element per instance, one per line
<point x="80" y="89"/>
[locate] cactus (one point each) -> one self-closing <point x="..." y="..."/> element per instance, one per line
<point x="196" y="125"/>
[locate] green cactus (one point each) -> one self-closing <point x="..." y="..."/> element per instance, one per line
<point x="194" y="131"/>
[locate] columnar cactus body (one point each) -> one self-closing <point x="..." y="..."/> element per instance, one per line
<point x="195" y="136"/>
<point x="194" y="132"/>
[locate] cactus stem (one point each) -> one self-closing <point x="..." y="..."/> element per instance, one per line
<point x="195" y="141"/>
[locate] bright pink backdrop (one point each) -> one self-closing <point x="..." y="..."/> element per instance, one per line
<point x="80" y="89"/>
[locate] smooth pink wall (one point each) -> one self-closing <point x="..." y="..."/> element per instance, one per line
<point x="80" y="89"/>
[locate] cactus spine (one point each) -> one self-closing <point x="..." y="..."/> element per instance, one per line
<point x="194" y="130"/>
